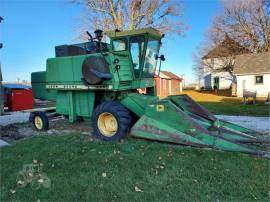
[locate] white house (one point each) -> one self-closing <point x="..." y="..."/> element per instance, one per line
<point x="253" y="73"/>
<point x="222" y="55"/>
<point x="215" y="78"/>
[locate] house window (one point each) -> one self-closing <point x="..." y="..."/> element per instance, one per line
<point x="258" y="79"/>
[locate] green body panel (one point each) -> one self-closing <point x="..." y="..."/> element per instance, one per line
<point x="65" y="70"/>
<point x="38" y="81"/>
<point x="137" y="103"/>
<point x="75" y="104"/>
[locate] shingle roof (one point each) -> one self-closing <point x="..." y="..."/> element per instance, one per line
<point x="252" y="63"/>
<point x="171" y="75"/>
<point x="226" y="48"/>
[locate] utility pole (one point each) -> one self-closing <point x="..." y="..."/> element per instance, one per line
<point x="1" y="79"/>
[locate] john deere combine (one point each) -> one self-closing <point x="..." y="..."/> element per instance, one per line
<point x="99" y="81"/>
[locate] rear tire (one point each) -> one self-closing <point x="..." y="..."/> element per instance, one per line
<point x="110" y="121"/>
<point x="40" y="121"/>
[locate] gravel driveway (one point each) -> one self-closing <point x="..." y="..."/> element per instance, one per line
<point x="260" y="124"/>
<point x="14" y="117"/>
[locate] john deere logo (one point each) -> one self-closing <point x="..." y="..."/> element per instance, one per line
<point x="160" y="108"/>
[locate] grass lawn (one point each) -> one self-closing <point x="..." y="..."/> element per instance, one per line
<point x="229" y="105"/>
<point x="81" y="169"/>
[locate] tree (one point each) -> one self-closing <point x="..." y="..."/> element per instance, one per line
<point x="131" y="14"/>
<point x="246" y="22"/>
<point x="197" y="68"/>
<point x="243" y="27"/>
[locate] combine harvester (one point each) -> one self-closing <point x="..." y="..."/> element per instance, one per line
<point x="99" y="81"/>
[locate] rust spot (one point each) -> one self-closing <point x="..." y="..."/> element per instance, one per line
<point x="157" y="131"/>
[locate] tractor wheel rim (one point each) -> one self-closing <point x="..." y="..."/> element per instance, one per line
<point x="38" y="122"/>
<point x="107" y="124"/>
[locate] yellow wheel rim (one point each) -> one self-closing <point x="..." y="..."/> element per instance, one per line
<point x="107" y="124"/>
<point x="38" y="122"/>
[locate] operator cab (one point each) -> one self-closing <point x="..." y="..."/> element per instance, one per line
<point x="142" y="46"/>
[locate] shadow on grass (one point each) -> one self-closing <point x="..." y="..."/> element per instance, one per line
<point x="227" y="93"/>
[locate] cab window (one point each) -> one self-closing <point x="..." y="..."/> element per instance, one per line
<point x="150" y="62"/>
<point x="136" y="52"/>
<point x="119" y="45"/>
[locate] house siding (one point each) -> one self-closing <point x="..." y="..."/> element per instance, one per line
<point x="157" y="84"/>
<point x="175" y="87"/>
<point x="262" y="90"/>
<point x="225" y="78"/>
<point x="207" y="82"/>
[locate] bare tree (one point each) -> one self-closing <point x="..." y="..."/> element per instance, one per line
<point x="131" y="14"/>
<point x="243" y="27"/>
<point x="245" y="21"/>
<point x="198" y="68"/>
<point x="218" y="57"/>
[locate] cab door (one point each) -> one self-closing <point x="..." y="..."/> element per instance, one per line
<point x="121" y="53"/>
<point x="136" y="48"/>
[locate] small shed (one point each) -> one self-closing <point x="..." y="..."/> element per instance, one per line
<point x="253" y="73"/>
<point x="168" y="83"/>
<point x="18" y="97"/>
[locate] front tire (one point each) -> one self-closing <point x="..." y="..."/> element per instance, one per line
<point x="110" y="121"/>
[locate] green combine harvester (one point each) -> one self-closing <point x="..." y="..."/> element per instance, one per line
<point x="99" y="81"/>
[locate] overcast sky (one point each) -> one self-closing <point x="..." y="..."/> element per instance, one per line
<point x="31" y="29"/>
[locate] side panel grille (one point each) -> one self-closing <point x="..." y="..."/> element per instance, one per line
<point x="125" y="83"/>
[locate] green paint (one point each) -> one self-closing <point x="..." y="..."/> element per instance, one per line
<point x="38" y="81"/>
<point x="177" y="119"/>
<point x="173" y="124"/>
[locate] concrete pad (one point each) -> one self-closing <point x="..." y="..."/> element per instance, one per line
<point x="260" y="124"/>
<point x="14" y="117"/>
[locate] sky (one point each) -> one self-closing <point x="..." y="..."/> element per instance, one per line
<point x="32" y="28"/>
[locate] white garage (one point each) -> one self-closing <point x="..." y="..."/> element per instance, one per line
<point x="253" y="73"/>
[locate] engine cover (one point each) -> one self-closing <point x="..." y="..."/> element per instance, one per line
<point x="95" y="69"/>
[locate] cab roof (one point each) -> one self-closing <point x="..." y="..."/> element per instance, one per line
<point x="150" y="30"/>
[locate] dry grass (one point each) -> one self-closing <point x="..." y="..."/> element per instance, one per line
<point x="211" y="97"/>
<point x="220" y="104"/>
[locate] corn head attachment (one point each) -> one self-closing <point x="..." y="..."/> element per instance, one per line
<point x="180" y="120"/>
